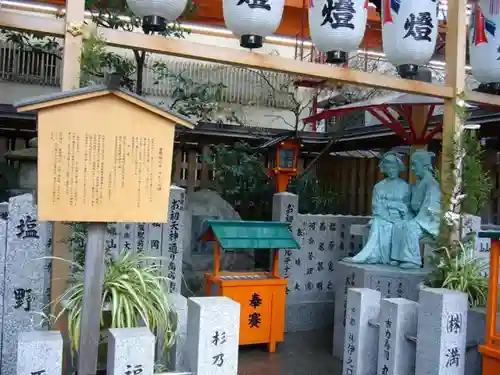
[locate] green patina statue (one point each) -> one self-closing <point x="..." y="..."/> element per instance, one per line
<point x="402" y="214"/>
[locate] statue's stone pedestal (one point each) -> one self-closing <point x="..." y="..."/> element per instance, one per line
<point x="392" y="282"/>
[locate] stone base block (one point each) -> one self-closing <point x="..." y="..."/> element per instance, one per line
<point x="308" y="316"/>
<point x="391" y="282"/>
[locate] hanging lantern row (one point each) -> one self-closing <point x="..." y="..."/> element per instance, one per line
<point x="337" y="28"/>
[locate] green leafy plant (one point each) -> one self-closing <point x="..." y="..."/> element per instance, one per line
<point x="241" y="179"/>
<point x="314" y="197"/>
<point x="133" y="292"/>
<point x="476" y="181"/>
<point x="458" y="268"/>
<point x="456" y="265"/>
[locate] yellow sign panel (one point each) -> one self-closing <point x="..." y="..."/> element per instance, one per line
<point x="103" y="160"/>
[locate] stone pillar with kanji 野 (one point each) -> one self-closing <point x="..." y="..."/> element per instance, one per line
<point x="173" y="239"/>
<point x="27" y="273"/>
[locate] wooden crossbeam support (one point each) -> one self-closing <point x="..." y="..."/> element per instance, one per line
<point x="22" y="21"/>
<point x="481" y="98"/>
<point x="230" y="56"/>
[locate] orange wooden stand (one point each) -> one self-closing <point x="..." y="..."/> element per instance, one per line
<point x="262" y="296"/>
<point x="491" y="349"/>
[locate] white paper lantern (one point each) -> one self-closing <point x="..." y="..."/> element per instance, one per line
<point x="157" y="13"/>
<point x="337" y="27"/>
<point x="484" y="41"/>
<point x="409" y="33"/>
<point x="253" y="20"/>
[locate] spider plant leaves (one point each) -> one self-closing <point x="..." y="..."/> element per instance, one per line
<point x="134" y="293"/>
<point x="459" y="269"/>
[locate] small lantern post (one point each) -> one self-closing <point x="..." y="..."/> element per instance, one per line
<point x="284" y="163"/>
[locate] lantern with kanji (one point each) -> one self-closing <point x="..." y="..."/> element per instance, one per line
<point x="409" y="33"/>
<point x="337" y="27"/>
<point x="484" y="45"/>
<point x="157" y="13"/>
<point x="283" y="156"/>
<point x="252" y="20"/>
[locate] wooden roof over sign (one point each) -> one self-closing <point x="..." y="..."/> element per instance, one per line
<point x="113" y="87"/>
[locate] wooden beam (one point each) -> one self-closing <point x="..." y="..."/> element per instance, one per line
<point x="231" y="56"/>
<point x="21" y="21"/>
<point x="456" y="40"/>
<point x="480" y="98"/>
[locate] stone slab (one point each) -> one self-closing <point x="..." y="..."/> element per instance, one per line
<point x="213" y="335"/>
<point x="396" y="354"/>
<point x="392" y="282"/>
<point x="361" y="338"/>
<point x="309" y="316"/>
<point x="26" y="277"/>
<point x="130" y="351"/>
<point x="177" y="354"/>
<point x="173" y="239"/>
<point x="39" y="353"/>
<point x="441" y="335"/>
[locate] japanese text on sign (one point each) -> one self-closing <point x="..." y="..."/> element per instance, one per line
<point x="349" y="283"/>
<point x="23" y="298"/>
<point x="173" y="239"/>
<point x="351" y="347"/>
<point x="256" y="4"/>
<point x="94" y="170"/>
<point x="453" y="327"/>
<point x="419" y="26"/>
<point x="218" y="339"/>
<point x="387" y="346"/>
<point x="27" y="228"/>
<point x="134" y="370"/>
<point x="255" y="317"/>
<point x="338" y="14"/>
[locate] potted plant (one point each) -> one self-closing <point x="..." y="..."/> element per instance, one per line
<point x="134" y="294"/>
<point x="456" y="265"/>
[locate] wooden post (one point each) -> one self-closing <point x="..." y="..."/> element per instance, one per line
<point x="70" y="79"/>
<point x="90" y="325"/>
<point x="216" y="258"/>
<point x="491" y="314"/>
<point x="455" y="78"/>
<point x="275" y="266"/>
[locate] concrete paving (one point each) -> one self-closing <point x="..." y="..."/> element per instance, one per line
<point x="302" y="353"/>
